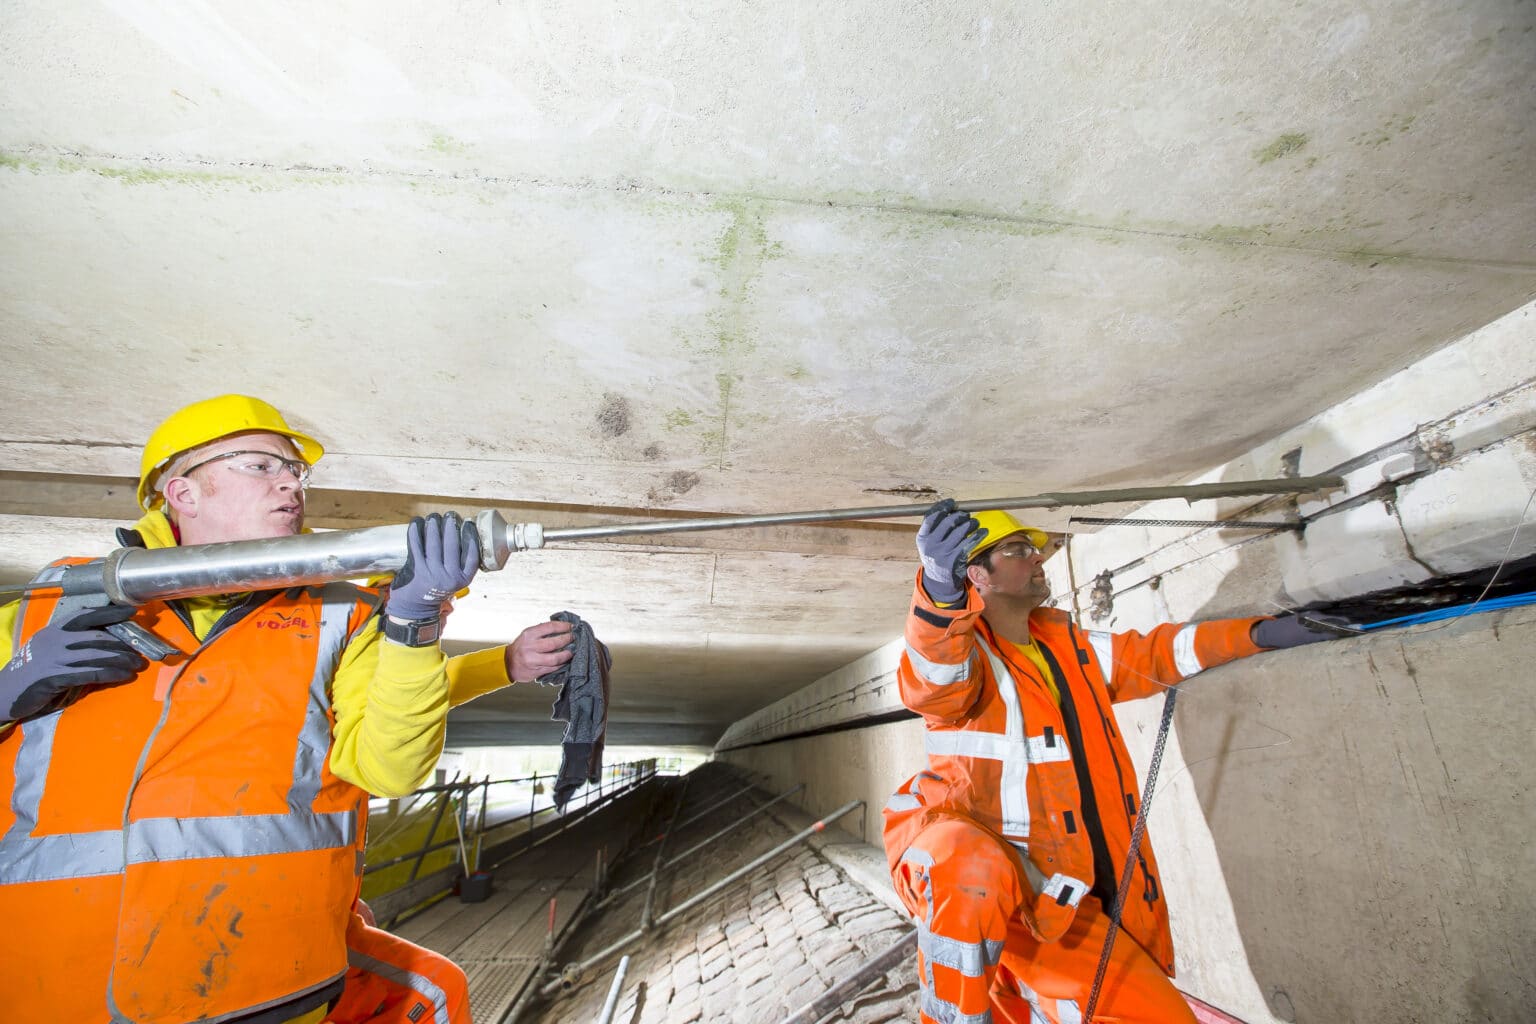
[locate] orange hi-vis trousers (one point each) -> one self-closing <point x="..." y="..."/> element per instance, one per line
<point x="392" y="981"/>
<point x="978" y="961"/>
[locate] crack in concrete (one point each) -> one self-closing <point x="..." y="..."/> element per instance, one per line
<point x="630" y="185"/>
<point x="67" y="442"/>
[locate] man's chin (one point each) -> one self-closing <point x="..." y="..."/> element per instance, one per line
<point x="285" y="526"/>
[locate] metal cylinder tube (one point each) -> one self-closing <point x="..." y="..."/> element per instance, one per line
<point x="614" y="990"/>
<point x="137" y="575"/>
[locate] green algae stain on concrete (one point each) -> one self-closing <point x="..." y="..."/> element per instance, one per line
<point x="12" y="162"/>
<point x="1284" y="146"/>
<point x="151" y="176"/>
<point x="447" y="145"/>
<point x="744" y="239"/>
<point x="1389" y="130"/>
<point x="678" y="419"/>
<point x="728" y="337"/>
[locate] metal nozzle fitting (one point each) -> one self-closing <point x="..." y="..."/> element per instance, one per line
<point x="499" y="538"/>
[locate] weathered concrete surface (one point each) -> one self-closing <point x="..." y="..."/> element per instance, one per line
<point x="1371" y="803"/>
<point x="856" y="764"/>
<point x="853" y="694"/>
<point x="738" y="258"/>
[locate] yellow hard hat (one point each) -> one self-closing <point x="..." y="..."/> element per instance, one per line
<point x="210" y="420"/>
<point x="1000" y="526"/>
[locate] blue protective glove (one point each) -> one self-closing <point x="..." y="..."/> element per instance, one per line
<point x="62" y="657"/>
<point x="1295" y="630"/>
<point x="442" y="556"/>
<point x="944" y="543"/>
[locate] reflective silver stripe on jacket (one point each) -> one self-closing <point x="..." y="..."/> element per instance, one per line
<point x="1103" y="645"/>
<point x="28" y="858"/>
<point x="1067" y="1010"/>
<point x="410" y="979"/>
<point x="1184" y="658"/>
<point x="946" y="1012"/>
<point x="1015" y="750"/>
<point x="1014" y="789"/>
<point x="1036" y="1011"/>
<point x="969" y="958"/>
<point x="905" y="798"/>
<point x="995" y="746"/>
<point x="1075" y="888"/>
<point x="1032" y="874"/>
<point x="940" y="673"/>
<point x="917" y="855"/>
<point x="88" y="854"/>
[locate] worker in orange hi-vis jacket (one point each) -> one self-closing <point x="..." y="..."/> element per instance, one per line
<point x="1009" y="848"/>
<point x="182" y="840"/>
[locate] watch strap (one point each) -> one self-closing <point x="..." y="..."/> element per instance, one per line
<point x="413" y="632"/>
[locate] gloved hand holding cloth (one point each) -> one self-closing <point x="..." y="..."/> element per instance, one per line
<point x="442" y="557"/>
<point x="582" y="705"/>
<point x="62" y="657"/>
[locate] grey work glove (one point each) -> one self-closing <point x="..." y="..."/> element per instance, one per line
<point x="1295" y="630"/>
<point x="944" y="543"/>
<point x="442" y="556"/>
<point x="62" y="657"/>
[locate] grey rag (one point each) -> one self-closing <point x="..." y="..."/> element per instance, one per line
<point x="582" y="705"/>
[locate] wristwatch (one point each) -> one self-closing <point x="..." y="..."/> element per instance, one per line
<point x="413" y="632"/>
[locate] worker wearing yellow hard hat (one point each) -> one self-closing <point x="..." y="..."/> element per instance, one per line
<point x="1009" y="848"/>
<point x="1000" y="526"/>
<point x="238" y="771"/>
<point x="210" y="420"/>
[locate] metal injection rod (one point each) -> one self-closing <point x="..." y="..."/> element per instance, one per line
<point x="137" y="575"/>
<point x="535" y="536"/>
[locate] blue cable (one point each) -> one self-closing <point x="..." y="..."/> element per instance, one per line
<point x="1456" y="611"/>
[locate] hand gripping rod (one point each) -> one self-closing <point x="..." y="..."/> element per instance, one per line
<point x="137" y="575"/>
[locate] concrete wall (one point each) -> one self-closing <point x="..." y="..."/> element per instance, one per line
<point x="856" y="764"/>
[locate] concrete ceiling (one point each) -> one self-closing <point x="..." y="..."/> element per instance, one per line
<point x="588" y="262"/>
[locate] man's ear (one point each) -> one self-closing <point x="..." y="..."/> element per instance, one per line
<point x="976" y="574"/>
<point x="181" y="496"/>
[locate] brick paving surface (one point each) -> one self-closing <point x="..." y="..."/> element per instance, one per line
<point x="755" y="952"/>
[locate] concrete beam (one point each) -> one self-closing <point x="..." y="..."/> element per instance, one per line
<point x="104" y="497"/>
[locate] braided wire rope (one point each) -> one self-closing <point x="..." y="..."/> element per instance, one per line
<point x="1234" y="524"/>
<point x="1130" y="860"/>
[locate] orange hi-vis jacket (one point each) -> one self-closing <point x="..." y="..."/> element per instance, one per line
<point x="1054" y="781"/>
<point x="176" y="848"/>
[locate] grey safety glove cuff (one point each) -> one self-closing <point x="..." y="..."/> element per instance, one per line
<point x="442" y="557"/>
<point x="1295" y="630"/>
<point x="62" y="657"/>
<point x="944" y="543"/>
